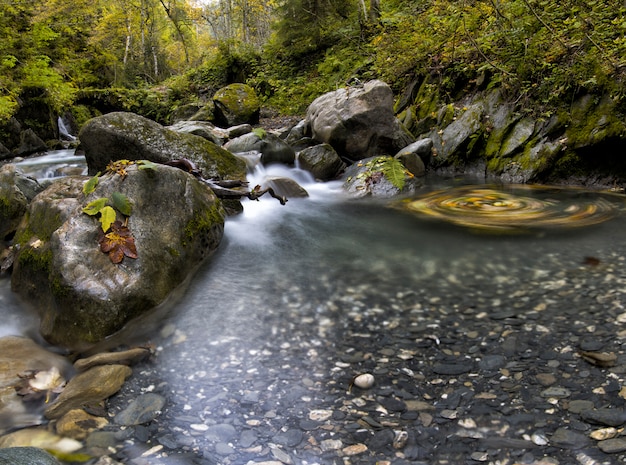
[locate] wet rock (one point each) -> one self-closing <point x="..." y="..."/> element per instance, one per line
<point x="142" y="409"/>
<point x="271" y="147"/>
<point x="605" y="416"/>
<point x="125" y="357"/>
<point x="16" y="191"/>
<point x="285" y="187"/>
<point x="26" y="455"/>
<point x="91" y="386"/>
<point x="452" y="368"/>
<point x="321" y="161"/>
<point x="381" y="440"/>
<point x="77" y="424"/>
<point x="369" y="177"/>
<point x="564" y="437"/>
<point x="41" y="438"/>
<point x="613" y="446"/>
<point x="18" y="356"/>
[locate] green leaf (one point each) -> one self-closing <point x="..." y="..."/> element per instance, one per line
<point x="107" y="217"/>
<point x="394" y="171"/>
<point x="146" y="165"/>
<point x="90" y="185"/>
<point x="94" y="207"/>
<point x="121" y="202"/>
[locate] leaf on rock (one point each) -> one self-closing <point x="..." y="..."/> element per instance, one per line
<point x="94" y="207"/>
<point x="90" y="185"/>
<point x="118" y="243"/>
<point x="107" y="217"/>
<point x="121" y="202"/>
<point x="146" y="165"/>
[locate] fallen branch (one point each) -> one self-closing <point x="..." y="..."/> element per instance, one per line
<point x="224" y="188"/>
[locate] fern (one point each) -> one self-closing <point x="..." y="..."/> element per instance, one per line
<point x="394" y="171"/>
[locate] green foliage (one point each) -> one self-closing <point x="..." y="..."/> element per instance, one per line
<point x="394" y="171"/>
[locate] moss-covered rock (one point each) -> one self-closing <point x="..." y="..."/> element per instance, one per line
<point x="81" y="295"/>
<point x="236" y="104"/>
<point x="127" y="136"/>
<point x="16" y="191"/>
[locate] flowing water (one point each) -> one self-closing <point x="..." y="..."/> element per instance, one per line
<point x="294" y="290"/>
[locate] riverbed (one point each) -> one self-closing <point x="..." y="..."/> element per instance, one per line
<point x="473" y="339"/>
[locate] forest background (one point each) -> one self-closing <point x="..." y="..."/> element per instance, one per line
<point x="154" y="56"/>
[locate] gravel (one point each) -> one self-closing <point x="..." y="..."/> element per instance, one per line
<point x="476" y="359"/>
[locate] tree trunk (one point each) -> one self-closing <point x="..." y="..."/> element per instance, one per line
<point x="374" y="10"/>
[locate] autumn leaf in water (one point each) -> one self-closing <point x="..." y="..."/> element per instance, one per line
<point x="118" y="242"/>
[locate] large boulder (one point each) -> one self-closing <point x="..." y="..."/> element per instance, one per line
<point x="236" y="104"/>
<point x="121" y="135"/>
<point x="80" y="294"/>
<point x="358" y="121"/>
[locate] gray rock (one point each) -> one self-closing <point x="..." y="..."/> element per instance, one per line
<point x="26" y="456"/>
<point x="452" y="368"/>
<point x="569" y="439"/>
<point x="612" y="446"/>
<point x="81" y="295"/>
<point x="30" y="143"/>
<point x="605" y="416"/>
<point x="519" y="135"/>
<point x="16" y="191"/>
<point x="358" y="122"/>
<point x="221" y="432"/>
<point x="127" y="136"/>
<point x="203" y="129"/>
<point x="321" y="161"/>
<point x="142" y="409"/>
<point x="271" y="147"/>
<point x="492" y="362"/>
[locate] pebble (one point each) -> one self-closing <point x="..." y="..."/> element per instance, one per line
<point x="142" y="409"/>
<point x="604" y="416"/>
<point x="364" y="381"/>
<point x="613" y="446"/>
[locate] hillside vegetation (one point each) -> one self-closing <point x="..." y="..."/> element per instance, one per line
<point x="153" y="56"/>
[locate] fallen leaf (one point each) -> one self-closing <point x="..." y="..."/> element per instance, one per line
<point x="118" y="243"/>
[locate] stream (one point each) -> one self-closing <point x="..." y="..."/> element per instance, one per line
<point x="257" y="358"/>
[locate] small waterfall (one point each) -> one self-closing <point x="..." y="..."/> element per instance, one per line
<point x="63" y="132"/>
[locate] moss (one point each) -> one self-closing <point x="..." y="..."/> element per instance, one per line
<point x="203" y="223"/>
<point x="593" y="121"/>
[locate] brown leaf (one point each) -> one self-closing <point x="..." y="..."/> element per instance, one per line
<point x="118" y="243"/>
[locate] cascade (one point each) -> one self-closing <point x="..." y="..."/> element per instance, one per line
<point x="63" y="131"/>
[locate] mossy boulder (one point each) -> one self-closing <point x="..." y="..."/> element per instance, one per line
<point x="382" y="177"/>
<point x="81" y="295"/>
<point x="236" y="104"/>
<point x="127" y="136"/>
